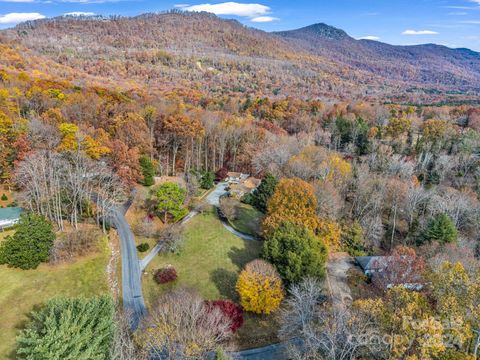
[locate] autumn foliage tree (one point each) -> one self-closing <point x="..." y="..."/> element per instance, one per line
<point x="293" y="201"/>
<point x="260" y="287"/>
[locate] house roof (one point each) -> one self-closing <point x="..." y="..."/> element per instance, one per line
<point x="10" y="213"/>
<point x="368" y="263"/>
<point x="252" y="183"/>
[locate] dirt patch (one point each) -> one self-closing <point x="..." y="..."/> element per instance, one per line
<point x="338" y="268"/>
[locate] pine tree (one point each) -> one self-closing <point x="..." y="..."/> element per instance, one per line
<point x="31" y="243"/>
<point x="263" y="193"/>
<point x="442" y="229"/>
<point x="69" y="329"/>
<point x="296" y="252"/>
<point x="148" y="170"/>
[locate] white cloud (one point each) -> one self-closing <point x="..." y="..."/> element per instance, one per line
<point x="471" y="22"/>
<point x="230" y="8"/>
<point x="264" y="19"/>
<point x="458" y="13"/>
<point x="15" y="18"/>
<point x="369" y="37"/>
<point x="79" y="13"/>
<point x="420" y="32"/>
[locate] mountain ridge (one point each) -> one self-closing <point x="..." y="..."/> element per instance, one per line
<point x="318" y="60"/>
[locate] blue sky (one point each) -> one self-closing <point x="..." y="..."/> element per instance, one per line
<point x="455" y="23"/>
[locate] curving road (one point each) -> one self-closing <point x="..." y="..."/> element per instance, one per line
<point x="213" y="199"/>
<point x="132" y="268"/>
<point x="133" y="302"/>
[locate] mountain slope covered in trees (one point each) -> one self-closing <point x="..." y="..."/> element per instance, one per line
<point x="429" y="64"/>
<point x="223" y="56"/>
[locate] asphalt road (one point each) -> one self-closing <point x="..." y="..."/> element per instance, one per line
<point x="133" y="302"/>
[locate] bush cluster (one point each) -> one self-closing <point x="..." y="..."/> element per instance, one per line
<point x="143" y="247"/>
<point x="165" y="275"/>
<point x="231" y="310"/>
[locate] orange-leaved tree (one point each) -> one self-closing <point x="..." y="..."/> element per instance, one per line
<point x="293" y="201"/>
<point x="260" y="287"/>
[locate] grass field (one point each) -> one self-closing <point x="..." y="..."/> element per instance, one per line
<point x="22" y="290"/>
<point x="248" y="219"/>
<point x="210" y="262"/>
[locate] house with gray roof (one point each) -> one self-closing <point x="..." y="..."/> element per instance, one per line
<point x="371" y="264"/>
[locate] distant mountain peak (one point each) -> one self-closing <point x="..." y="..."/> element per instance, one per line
<point x="325" y="31"/>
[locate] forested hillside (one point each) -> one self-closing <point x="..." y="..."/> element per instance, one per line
<point x="341" y="166"/>
<point x="223" y="56"/>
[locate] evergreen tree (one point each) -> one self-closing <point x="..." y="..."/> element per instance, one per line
<point x="170" y="198"/>
<point x="442" y="229"/>
<point x="69" y="329"/>
<point x="296" y="252"/>
<point x="263" y="193"/>
<point x="206" y="182"/>
<point x="148" y="171"/>
<point x="31" y="243"/>
<point x="353" y="241"/>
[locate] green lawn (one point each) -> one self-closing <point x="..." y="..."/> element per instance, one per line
<point x="210" y="262"/>
<point x="248" y="219"/>
<point x="22" y="290"/>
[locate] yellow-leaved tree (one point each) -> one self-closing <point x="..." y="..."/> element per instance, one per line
<point x="330" y="233"/>
<point x="260" y="287"/>
<point x="293" y="201"/>
<point x="406" y="318"/>
<point x="69" y="141"/>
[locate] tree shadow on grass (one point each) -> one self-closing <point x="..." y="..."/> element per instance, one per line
<point x="225" y="281"/>
<point x="242" y="256"/>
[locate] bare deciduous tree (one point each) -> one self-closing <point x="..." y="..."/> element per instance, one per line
<point x="325" y="333"/>
<point x="228" y="207"/>
<point x="181" y="326"/>
<point x="59" y="186"/>
<point x="124" y="347"/>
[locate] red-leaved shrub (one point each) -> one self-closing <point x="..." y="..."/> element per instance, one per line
<point x="233" y="311"/>
<point x="221" y="174"/>
<point x="165" y="275"/>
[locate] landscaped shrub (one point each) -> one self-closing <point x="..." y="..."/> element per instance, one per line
<point x="4" y="197"/>
<point x="231" y="310"/>
<point x="31" y="243"/>
<point x="143" y="247"/>
<point x="165" y="275"/>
